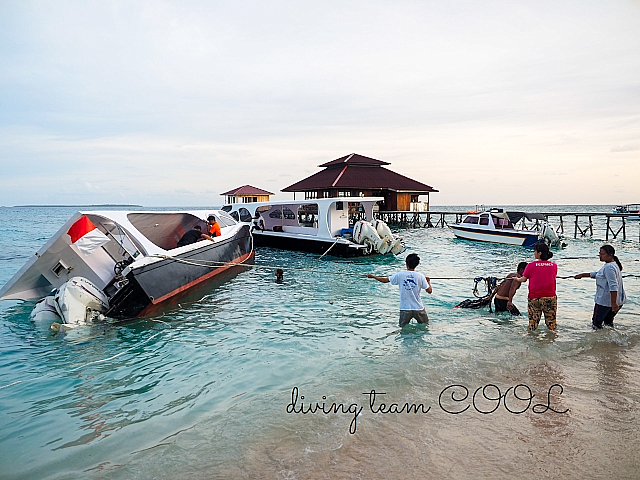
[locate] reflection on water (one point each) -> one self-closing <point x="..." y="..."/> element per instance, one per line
<point x="201" y="390"/>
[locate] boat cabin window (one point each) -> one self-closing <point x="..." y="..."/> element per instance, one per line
<point x="288" y="214"/>
<point x="501" y="222"/>
<point x="123" y="245"/>
<point x="226" y="208"/>
<point x="235" y="215"/>
<point x="245" y="215"/>
<point x="484" y="219"/>
<point x="226" y="220"/>
<point x="471" y="219"/>
<point x="308" y="215"/>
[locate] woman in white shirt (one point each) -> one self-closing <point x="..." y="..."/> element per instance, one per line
<point x="610" y="294"/>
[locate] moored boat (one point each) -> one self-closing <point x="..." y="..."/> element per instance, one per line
<point x="324" y="225"/>
<point x="497" y="226"/>
<point x="125" y="264"/>
<point x="629" y="208"/>
<point x="633" y="208"/>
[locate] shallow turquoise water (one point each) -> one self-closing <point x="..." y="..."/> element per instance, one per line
<point x="202" y="390"/>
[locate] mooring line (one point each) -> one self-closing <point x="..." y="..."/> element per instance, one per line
<point x="215" y="264"/>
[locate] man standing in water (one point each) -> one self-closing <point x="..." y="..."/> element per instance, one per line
<point x="506" y="290"/>
<point x="410" y="284"/>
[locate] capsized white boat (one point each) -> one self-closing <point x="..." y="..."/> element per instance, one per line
<point x="124" y="264"/>
<point x="497" y="226"/>
<point x="323" y="225"/>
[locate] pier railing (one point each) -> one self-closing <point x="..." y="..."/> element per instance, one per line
<point x="584" y="224"/>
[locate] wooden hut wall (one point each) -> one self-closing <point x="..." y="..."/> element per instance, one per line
<point x="403" y="202"/>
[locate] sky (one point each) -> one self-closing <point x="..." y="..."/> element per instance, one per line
<point x="162" y="103"/>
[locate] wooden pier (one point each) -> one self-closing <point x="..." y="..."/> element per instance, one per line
<point x="582" y="224"/>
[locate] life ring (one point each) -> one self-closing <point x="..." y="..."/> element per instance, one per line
<point x="473" y="211"/>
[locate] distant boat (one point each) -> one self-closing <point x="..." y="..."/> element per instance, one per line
<point x="320" y="226"/>
<point x="630" y="208"/>
<point x="125" y="264"/>
<point x="497" y="226"/>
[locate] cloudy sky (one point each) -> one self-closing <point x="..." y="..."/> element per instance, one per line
<point x="172" y="103"/>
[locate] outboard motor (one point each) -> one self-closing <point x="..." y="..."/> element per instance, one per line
<point x="365" y="234"/>
<point x="377" y="237"/>
<point x="79" y="301"/>
<point x="550" y="237"/>
<point x="76" y="302"/>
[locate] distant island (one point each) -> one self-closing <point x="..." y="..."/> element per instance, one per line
<point x="76" y="206"/>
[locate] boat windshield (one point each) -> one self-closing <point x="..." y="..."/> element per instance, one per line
<point x="471" y="219"/>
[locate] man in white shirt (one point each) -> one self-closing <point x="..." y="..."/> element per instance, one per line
<point x="410" y="284"/>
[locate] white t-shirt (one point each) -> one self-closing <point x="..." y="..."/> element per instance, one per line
<point x="410" y="284"/>
<point x="608" y="279"/>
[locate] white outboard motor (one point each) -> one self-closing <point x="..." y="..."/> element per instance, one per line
<point x="377" y="237"/>
<point x="365" y="234"/>
<point x="76" y="302"/>
<point x="79" y="301"/>
<point x="395" y="244"/>
<point x="550" y="236"/>
<point x="45" y="313"/>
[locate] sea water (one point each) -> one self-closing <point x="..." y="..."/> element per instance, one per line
<point x="312" y="378"/>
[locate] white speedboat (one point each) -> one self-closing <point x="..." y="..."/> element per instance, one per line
<point x="320" y="226"/>
<point x="497" y="226"/>
<point x="125" y="264"/>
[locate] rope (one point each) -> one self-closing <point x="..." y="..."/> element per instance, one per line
<point x="215" y="264"/>
<point x="328" y="249"/>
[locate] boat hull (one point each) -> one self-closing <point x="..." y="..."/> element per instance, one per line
<point x="508" y="237"/>
<point x="306" y="244"/>
<point x="151" y="287"/>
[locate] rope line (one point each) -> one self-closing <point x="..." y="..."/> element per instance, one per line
<point x="216" y="264"/>
<point x="328" y="249"/>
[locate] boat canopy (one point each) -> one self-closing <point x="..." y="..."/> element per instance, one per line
<point x="515" y="217"/>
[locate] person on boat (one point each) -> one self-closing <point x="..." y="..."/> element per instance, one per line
<point x="610" y="294"/>
<point x="214" y="226"/>
<point x="504" y="292"/>
<point x="192" y="236"/>
<point x="542" y="287"/>
<point x="258" y="221"/>
<point x="410" y="284"/>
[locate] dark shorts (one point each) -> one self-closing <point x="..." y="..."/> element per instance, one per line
<point x="501" y="306"/>
<point x="602" y="315"/>
<point x="420" y="316"/>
